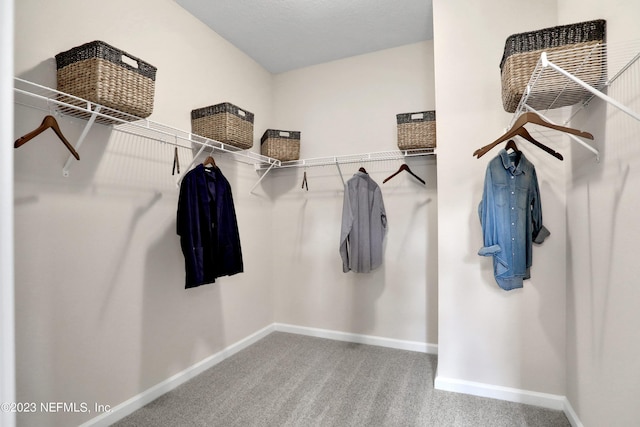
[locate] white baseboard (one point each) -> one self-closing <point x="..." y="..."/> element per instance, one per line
<point x="545" y="400"/>
<point x="571" y="414"/>
<point x="136" y="402"/>
<point x="358" y="338"/>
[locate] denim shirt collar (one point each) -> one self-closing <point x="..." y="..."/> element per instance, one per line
<point x="509" y="163"/>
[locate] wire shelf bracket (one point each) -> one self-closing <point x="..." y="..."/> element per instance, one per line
<point x="578" y="74"/>
<point x="546" y="63"/>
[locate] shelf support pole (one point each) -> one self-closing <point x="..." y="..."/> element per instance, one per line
<point x="193" y="160"/>
<point x="262" y="177"/>
<point x="83" y="135"/>
<point x="339" y="171"/>
<point x="624" y="108"/>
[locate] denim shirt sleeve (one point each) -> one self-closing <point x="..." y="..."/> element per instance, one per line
<point x="540" y="232"/>
<point x="488" y="219"/>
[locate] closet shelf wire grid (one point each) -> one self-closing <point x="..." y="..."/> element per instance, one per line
<point x="578" y="73"/>
<point x="356" y="158"/>
<point x="53" y="101"/>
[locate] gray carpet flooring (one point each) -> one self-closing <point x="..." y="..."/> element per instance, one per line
<point x="294" y="380"/>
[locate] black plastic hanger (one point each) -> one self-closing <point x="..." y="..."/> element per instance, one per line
<point x="404" y="167"/>
<point x="48" y="122"/>
<point x="362" y="169"/>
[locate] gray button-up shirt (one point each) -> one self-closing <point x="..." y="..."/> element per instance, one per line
<point x="511" y="217"/>
<point x="364" y="225"/>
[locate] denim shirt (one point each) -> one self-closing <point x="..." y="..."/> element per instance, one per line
<point x="511" y="217"/>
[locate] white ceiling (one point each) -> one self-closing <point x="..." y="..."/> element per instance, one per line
<point x="283" y="35"/>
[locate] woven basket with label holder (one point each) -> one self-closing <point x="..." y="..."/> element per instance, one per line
<point x="569" y="47"/>
<point x="225" y="123"/>
<point x="416" y="130"/>
<point x="283" y="145"/>
<point x="108" y="76"/>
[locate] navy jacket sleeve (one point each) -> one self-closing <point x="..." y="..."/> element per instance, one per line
<point x="188" y="228"/>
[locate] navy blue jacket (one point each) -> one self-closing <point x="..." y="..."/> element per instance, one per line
<point x="208" y="227"/>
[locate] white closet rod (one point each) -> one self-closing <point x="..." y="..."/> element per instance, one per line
<point x="356" y="158"/>
<point x="349" y="159"/>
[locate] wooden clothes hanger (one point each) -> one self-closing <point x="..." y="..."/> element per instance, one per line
<point x="511" y="144"/>
<point x="530" y="117"/>
<point x="522" y="132"/>
<point x="518" y="130"/>
<point x="209" y="161"/>
<point x="48" y="122"/>
<point x="362" y="169"/>
<point x="404" y="167"/>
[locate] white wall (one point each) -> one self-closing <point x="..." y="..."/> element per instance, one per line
<point x="582" y="279"/>
<point x="98" y="258"/>
<point x="102" y="313"/>
<point x="348" y="107"/>
<point x="7" y="320"/>
<point x="603" y="341"/>
<point x="99" y="277"/>
<point x="513" y="339"/>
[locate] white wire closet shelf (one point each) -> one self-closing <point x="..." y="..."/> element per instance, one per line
<point x="356" y="158"/>
<point x="575" y="76"/>
<point x="47" y="99"/>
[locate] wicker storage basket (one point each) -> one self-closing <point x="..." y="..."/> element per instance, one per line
<point x="225" y="123"/>
<point x="564" y="45"/>
<point x="283" y="145"/>
<point x="108" y="76"/>
<point x="416" y="130"/>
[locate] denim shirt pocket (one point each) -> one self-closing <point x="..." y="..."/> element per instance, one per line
<point x="500" y="266"/>
<point x="500" y="194"/>
<point x="522" y="197"/>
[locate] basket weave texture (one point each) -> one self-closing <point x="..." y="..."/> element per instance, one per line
<point x="96" y="71"/>
<point x="283" y="145"/>
<point x="416" y="130"/>
<point x="522" y="52"/>
<point x="224" y="123"/>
